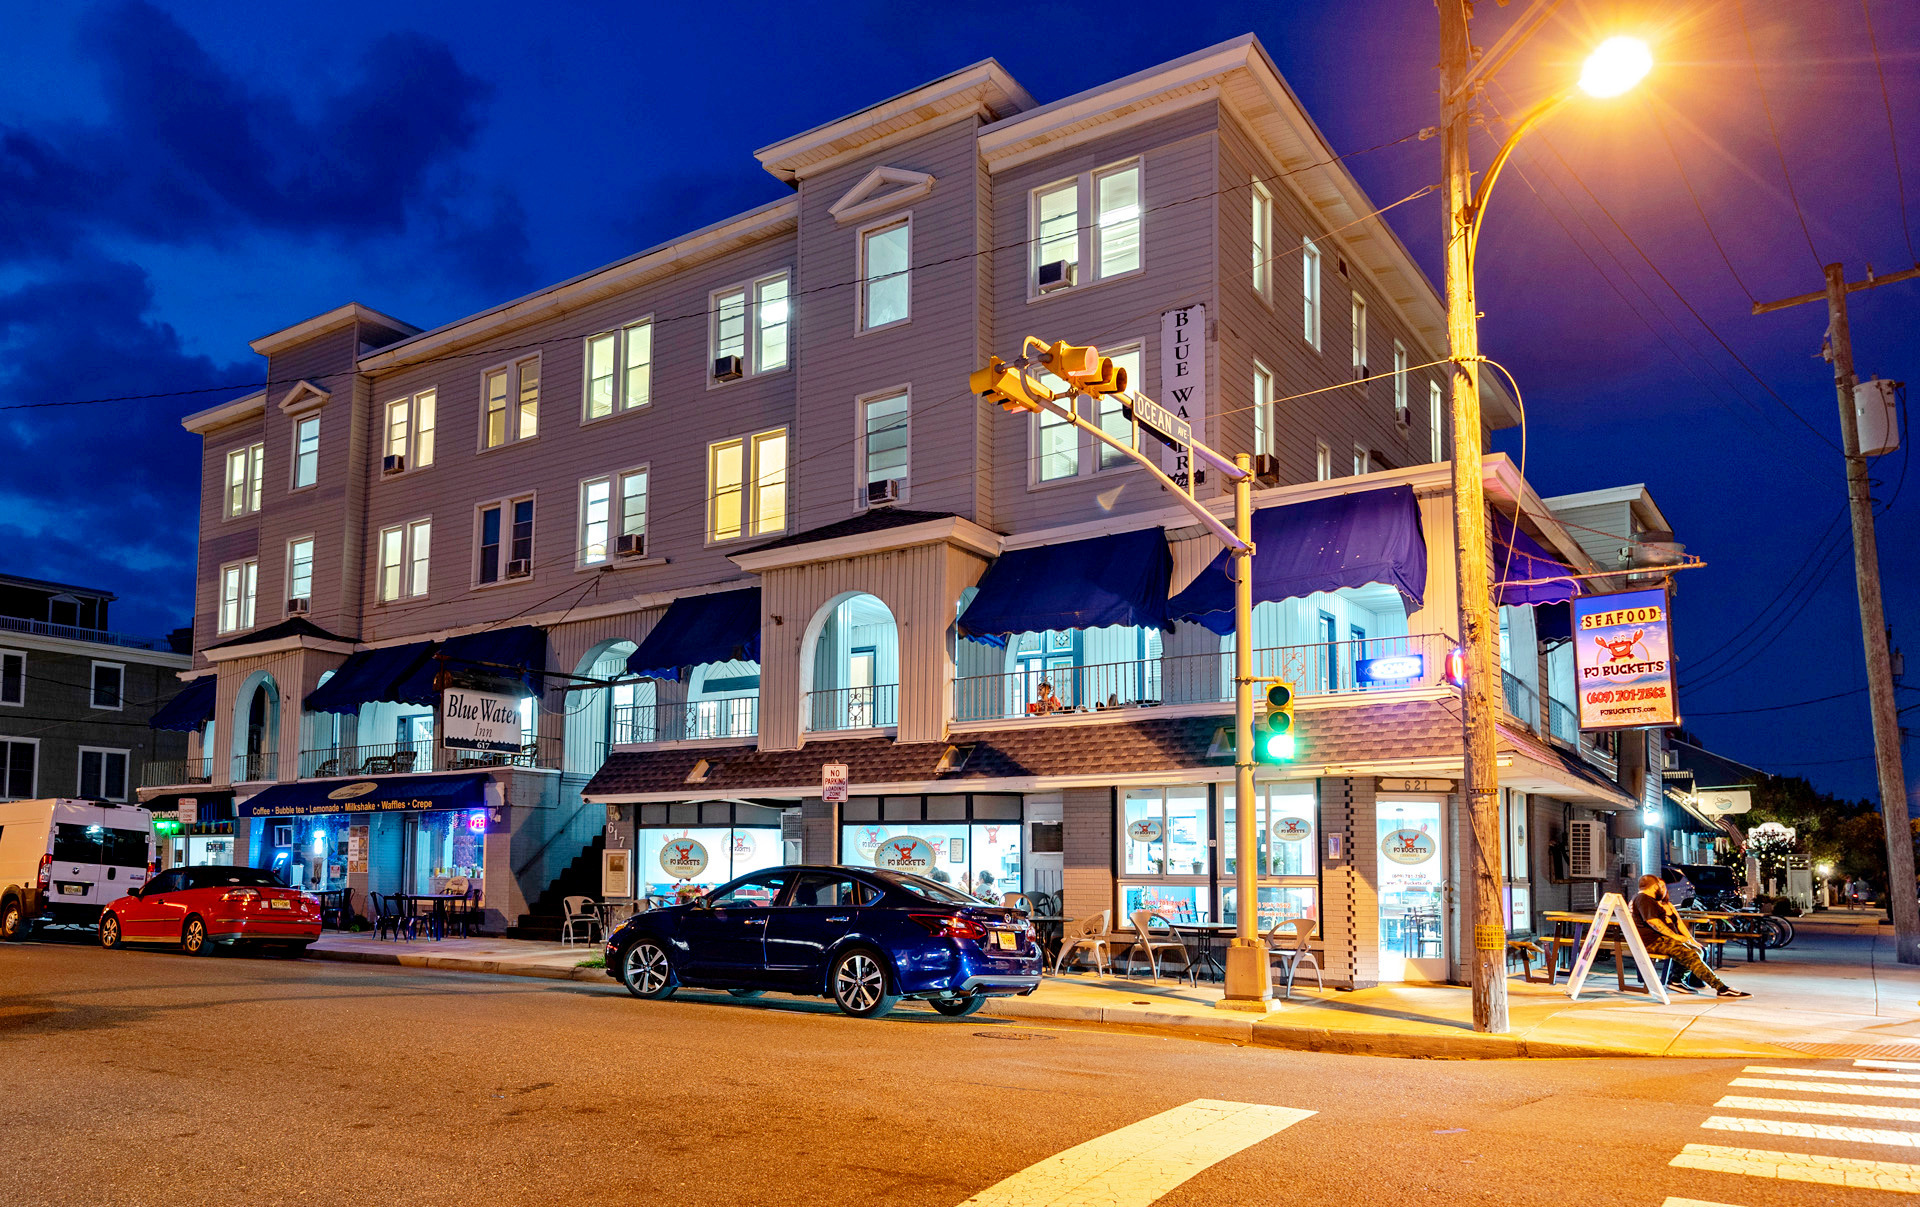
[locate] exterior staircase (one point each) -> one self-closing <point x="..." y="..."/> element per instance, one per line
<point x="581" y="878"/>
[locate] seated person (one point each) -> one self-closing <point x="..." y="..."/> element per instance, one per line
<point x="1045" y="701"/>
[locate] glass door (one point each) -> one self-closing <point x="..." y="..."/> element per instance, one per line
<point x="1413" y="919"/>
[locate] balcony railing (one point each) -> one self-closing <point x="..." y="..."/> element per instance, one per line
<point x="253" y="768"/>
<point x="1562" y="721"/>
<point x="1329" y="668"/>
<point x="1523" y="703"/>
<point x="44" y="628"/>
<point x="853" y="708"/>
<point x="165" y="773"/>
<point x="403" y="758"/>
<point x="734" y="717"/>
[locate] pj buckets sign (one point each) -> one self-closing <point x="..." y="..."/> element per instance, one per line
<point x="1623" y="659"/>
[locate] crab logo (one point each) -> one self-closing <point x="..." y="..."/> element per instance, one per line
<point x="1407" y="846"/>
<point x="683" y="858"/>
<point x="904" y="855"/>
<point x="353" y="791"/>
<point x="1292" y="829"/>
<point x="1620" y="650"/>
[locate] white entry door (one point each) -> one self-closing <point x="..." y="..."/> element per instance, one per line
<point x="1413" y="861"/>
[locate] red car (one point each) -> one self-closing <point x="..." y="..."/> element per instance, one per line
<point x="215" y="903"/>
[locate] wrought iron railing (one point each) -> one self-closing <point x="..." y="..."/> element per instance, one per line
<point x="401" y="758"/>
<point x="165" y="773"/>
<point x="76" y="633"/>
<point x="729" y="717"/>
<point x="853" y="708"/>
<point x="1323" y="668"/>
<point x="1562" y="723"/>
<point x="1523" y="703"/>
<point x="253" y="768"/>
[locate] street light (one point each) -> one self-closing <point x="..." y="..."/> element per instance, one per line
<point x="1615" y="66"/>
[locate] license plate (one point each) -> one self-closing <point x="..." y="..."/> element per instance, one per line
<point x="74" y="890"/>
<point x="1006" y="940"/>
<point x="279" y="903"/>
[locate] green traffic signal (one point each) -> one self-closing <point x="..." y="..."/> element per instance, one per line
<point x="1275" y="741"/>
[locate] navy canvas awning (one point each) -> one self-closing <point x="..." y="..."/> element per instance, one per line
<point x="1090" y="584"/>
<point x="518" y="654"/>
<point x="367" y="677"/>
<point x="1525" y="573"/>
<point x="189" y="710"/>
<point x="1553" y="623"/>
<point x="1351" y="540"/>
<point x="722" y="627"/>
<point x="386" y="794"/>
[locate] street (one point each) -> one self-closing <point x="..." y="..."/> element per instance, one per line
<point x="142" y="1077"/>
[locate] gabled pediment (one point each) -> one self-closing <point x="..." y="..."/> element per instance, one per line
<point x="880" y="190"/>
<point x="304" y="396"/>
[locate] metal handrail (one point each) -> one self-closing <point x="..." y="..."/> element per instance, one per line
<point x="165" y="773"/>
<point x="46" y="628"/>
<point x="723" y="717"/>
<point x="400" y="758"/>
<point x="872" y="707"/>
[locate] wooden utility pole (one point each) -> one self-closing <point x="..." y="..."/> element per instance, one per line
<point x="1480" y="774"/>
<point x="1903" y="904"/>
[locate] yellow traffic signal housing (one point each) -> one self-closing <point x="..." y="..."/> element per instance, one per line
<point x="1083" y="366"/>
<point x="1274" y="743"/>
<point x="1111" y="379"/>
<point x="998" y="383"/>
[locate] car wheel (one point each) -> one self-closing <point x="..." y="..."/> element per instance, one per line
<point x="109" y="931"/>
<point x="12" y="919"/>
<point x="746" y="993"/>
<point x="860" y="984"/>
<point x="193" y="937"/>
<point x="959" y="1007"/>
<point x="647" y="972"/>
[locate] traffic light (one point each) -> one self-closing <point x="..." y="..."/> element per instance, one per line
<point x="1085" y="368"/>
<point x="1274" y="743"/>
<point x="998" y="383"/>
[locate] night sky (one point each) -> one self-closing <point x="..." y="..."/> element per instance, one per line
<point x="177" y="181"/>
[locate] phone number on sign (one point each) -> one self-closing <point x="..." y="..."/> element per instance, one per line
<point x="1627" y="693"/>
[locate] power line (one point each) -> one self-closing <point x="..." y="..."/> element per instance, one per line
<point x="1893" y="137"/>
<point x="1766" y="108"/>
<point x="1735" y="712"/>
<point x="1680" y="167"/>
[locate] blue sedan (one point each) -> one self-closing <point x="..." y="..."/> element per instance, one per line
<point x="864" y="938"/>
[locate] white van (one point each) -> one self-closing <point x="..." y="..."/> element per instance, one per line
<point x="61" y="861"/>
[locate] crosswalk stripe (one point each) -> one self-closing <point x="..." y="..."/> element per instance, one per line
<point x="1143" y="1161"/>
<point x="1886" y="1064"/>
<point x="1673" y="1202"/>
<point x="1801" y="1167"/>
<point x="1813" y="1131"/>
<point x="1909" y="1078"/>
<point x="1794" y="1106"/>
<point x="1824" y="1087"/>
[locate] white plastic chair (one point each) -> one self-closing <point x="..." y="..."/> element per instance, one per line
<point x="1090" y="933"/>
<point x="1287" y="943"/>
<point x="579" y="912"/>
<point x="1017" y="901"/>
<point x="1144" y="937"/>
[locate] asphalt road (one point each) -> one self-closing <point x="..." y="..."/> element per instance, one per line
<point x="145" y="1077"/>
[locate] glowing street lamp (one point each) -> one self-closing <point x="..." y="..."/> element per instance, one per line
<point x="1614" y="67"/>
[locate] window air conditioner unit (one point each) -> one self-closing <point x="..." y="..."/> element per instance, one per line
<point x="298" y="607"/>
<point x="1586" y="850"/>
<point x="1055" y="274"/>
<point x="885" y="491"/>
<point x="1266" y="468"/>
<point x="630" y="544"/>
<point x="728" y="368"/>
<point x="392" y="463"/>
<point x="520" y="567"/>
<point x="1403" y="416"/>
<point x="1361" y="372"/>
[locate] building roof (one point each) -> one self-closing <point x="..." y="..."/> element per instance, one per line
<point x="232" y="411"/>
<point x="1636" y="496"/>
<point x="293" y="626"/>
<point x="339" y="316"/>
<point x="41" y="584"/>
<point x="874" y="519"/>
<point x="1711" y="770"/>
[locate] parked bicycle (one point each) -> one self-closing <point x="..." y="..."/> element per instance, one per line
<point x="1775" y="931"/>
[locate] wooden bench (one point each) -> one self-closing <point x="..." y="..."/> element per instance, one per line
<point x="1525" y="950"/>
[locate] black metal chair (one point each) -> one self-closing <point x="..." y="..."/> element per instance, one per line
<point x="386" y="918"/>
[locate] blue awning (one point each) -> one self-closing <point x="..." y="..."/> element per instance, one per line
<point x="518" y="654"/>
<point x="369" y="676"/>
<point x="189" y="710"/>
<point x="386" y="794"/>
<point x="1090" y="584"/>
<point x="723" y="627"/>
<point x="1523" y="569"/>
<point x="1351" y="540"/>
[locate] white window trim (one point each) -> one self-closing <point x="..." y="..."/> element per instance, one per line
<point x="412" y="403"/>
<point x="860" y="326"/>
<point x="1264" y="437"/>
<point x="92" y="671"/>
<point x="251" y="487"/>
<point x="860" y="441"/>
<point x="79" y="771"/>
<point x="513" y="436"/>
<point x="291" y="542"/>
<point x="33" y="792"/>
<point x="1402" y="399"/>
<point x="1086" y="231"/>
<point x="1261" y="274"/>
<point x="293" y="470"/>
<point x="1322" y="461"/>
<point x="749" y="485"/>
<point x="616" y="519"/>
<point x="220" y="594"/>
<point x="22" y="701"/>
<point x="1357" y="337"/>
<point x="405" y="528"/>
<point x="750" y="344"/>
<point x="505" y="504"/>
<point x="1310" y="254"/>
<point x="1436" y="417"/>
<point x="1362" y="460"/>
<point x="620" y="404"/>
<point x="1087" y="458"/>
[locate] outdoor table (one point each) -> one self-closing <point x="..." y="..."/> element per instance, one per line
<point x="1047" y="932"/>
<point x="331" y="901"/>
<point x="1206" y="936"/>
<point x="436" y="915"/>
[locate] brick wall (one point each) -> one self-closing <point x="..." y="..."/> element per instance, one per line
<point x="1088" y="860"/>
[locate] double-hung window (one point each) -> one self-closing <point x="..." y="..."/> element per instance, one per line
<point x="505" y="540"/>
<point x="1111" y="415"/>
<point x="19" y="759"/>
<point x="1400" y="381"/>
<point x="1362" y="460"/>
<point x="1262" y="240"/>
<point x="13" y="677"/>
<point x="405" y="551"/>
<point x="1056" y="447"/>
<point x="747" y="486"/>
<point x="511" y="394"/>
<point x="884" y="420"/>
<point x="306" y="452"/>
<point x="103" y="775"/>
<point x="109" y="685"/>
<point x="239" y="583"/>
<point x="1057" y="452"/>
<point x="1436" y="421"/>
<point x="611" y="507"/>
<point x="1310" y="291"/>
<point x="1263" y="441"/>
<point x="620" y="369"/>
<point x="885" y="271"/>
<point x="410" y="423"/>
<point x="750" y="323"/>
<point x="1108" y="246"/>
<point x="246" y="471"/>
<point x="300" y="568"/>
<point x="1359" y="338"/>
<point x="1322" y="461"/>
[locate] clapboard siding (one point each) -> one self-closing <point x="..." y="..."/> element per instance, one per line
<point x="221" y="540"/>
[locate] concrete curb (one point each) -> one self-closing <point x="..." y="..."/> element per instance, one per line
<point x="1260" y="1033"/>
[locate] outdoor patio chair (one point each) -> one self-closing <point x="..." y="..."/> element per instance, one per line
<point x="1019" y="901"/>
<point x="379" y="764"/>
<point x="386" y="918"/>
<point x="1091" y="934"/>
<point x="468" y="913"/>
<point x="578" y="912"/>
<point x="1287" y="943"/>
<point x="1154" y="944"/>
<point x="404" y="761"/>
<point x="329" y="767"/>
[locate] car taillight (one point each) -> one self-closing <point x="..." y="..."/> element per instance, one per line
<point x="46" y="871"/>
<point x="950" y="926"/>
<point x="241" y="894"/>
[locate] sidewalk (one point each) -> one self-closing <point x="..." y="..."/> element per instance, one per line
<point x="1837" y="992"/>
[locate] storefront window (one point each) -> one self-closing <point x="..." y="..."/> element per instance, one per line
<point x="443" y="845"/>
<point x="976" y="844"/>
<point x="1287" y="842"/>
<point x="1163" y="839"/>
<point x="728" y="851"/>
<point x="318" y="860"/>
